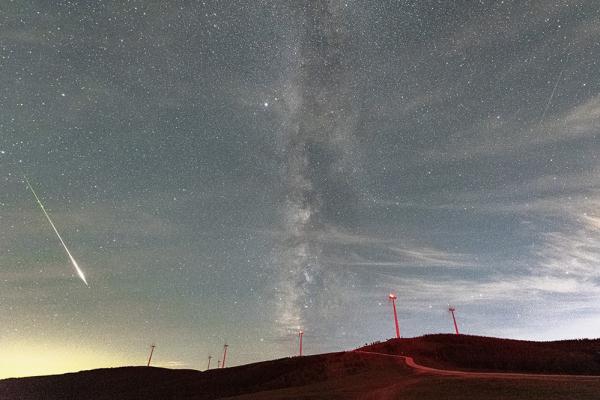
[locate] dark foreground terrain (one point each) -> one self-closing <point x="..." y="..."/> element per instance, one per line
<point x="353" y="375"/>
<point x="479" y="353"/>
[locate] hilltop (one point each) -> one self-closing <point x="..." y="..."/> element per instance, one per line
<point x="479" y="353"/>
<point x="349" y="375"/>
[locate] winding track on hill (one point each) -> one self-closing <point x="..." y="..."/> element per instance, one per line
<point x="410" y="362"/>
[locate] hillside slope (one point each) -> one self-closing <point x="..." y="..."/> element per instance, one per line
<point x="336" y="372"/>
<point x="349" y="375"/>
<point x="478" y="353"/>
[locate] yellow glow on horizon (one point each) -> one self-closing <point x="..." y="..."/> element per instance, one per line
<point x="21" y="359"/>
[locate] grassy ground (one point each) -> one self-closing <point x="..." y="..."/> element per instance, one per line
<point x="343" y="373"/>
<point x="499" y="389"/>
<point x="345" y="376"/>
<point x="476" y="353"/>
<point x="421" y="387"/>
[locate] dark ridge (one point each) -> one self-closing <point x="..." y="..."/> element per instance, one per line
<point x="347" y="375"/>
<point x="480" y="353"/>
<point x="151" y="383"/>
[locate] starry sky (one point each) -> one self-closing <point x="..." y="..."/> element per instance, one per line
<point x="233" y="171"/>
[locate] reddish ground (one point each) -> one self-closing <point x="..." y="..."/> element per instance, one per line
<point x="350" y="375"/>
<point x="478" y="353"/>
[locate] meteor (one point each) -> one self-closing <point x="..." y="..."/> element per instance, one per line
<point x="79" y="271"/>
<point x="551" y="96"/>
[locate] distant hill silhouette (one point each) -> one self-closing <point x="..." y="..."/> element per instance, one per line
<point x="151" y="383"/>
<point x="347" y="375"/>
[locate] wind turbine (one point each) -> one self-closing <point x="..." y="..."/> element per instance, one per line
<point x="224" y="355"/>
<point x="152" y="346"/>
<point x="452" y="309"/>
<point x="300" y="334"/>
<point x="392" y="297"/>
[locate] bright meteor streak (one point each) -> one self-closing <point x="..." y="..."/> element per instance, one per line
<point x="79" y="271"/>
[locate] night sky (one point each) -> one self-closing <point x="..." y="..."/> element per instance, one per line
<point x="233" y="171"/>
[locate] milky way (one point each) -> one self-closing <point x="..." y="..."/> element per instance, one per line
<point x="318" y="142"/>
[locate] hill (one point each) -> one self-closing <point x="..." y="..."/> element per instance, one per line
<point x="478" y="353"/>
<point x="348" y="375"/>
<point x="332" y="371"/>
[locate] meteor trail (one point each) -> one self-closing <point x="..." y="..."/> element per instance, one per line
<point x="551" y="96"/>
<point x="79" y="271"/>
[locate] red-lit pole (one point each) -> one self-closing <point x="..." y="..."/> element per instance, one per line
<point x="224" y="355"/>
<point x="393" y="298"/>
<point x="151" y="352"/>
<point x="207" y="368"/>
<point x="452" y="309"/>
<point x="300" y="334"/>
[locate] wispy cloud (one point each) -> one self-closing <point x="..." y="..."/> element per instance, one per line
<point x="341" y="247"/>
<point x="574" y="253"/>
<point x="402" y="257"/>
<point x="500" y="135"/>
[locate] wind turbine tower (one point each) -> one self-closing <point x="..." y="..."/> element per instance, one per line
<point x="392" y="297"/>
<point x="452" y="309"/>
<point x="300" y="334"/>
<point x="151" y="352"/>
<point x="224" y="355"/>
<point x="209" y="358"/>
